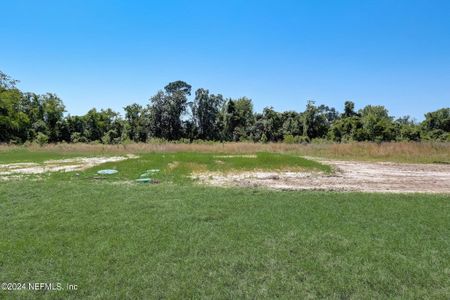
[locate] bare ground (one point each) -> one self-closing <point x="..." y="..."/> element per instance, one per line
<point x="348" y="176"/>
<point x="15" y="170"/>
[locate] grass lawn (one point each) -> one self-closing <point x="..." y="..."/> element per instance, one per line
<point x="176" y="167"/>
<point x="173" y="167"/>
<point x="180" y="240"/>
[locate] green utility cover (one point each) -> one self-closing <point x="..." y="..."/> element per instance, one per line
<point x="143" y="180"/>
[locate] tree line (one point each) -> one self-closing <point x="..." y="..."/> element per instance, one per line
<point x="171" y="116"/>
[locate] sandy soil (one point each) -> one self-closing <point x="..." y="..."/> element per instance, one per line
<point x="348" y="176"/>
<point x="64" y="165"/>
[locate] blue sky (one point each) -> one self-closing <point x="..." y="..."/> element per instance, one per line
<point x="278" y="53"/>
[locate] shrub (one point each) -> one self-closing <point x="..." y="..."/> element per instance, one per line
<point x="264" y="138"/>
<point x="288" y="139"/>
<point x="41" y="139"/>
<point x="184" y="141"/>
<point x="156" y="141"/>
<point x="76" y="137"/>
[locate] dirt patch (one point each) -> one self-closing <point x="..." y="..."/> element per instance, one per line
<point x="348" y="176"/>
<point x="60" y="165"/>
<point x="173" y="165"/>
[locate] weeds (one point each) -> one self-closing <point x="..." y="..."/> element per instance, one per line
<point x="396" y="151"/>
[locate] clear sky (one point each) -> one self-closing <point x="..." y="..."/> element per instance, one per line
<point x="279" y="53"/>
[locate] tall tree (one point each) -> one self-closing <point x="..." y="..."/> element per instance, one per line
<point x="14" y="123"/>
<point x="317" y="120"/>
<point x="437" y="124"/>
<point x="53" y="109"/>
<point x="205" y="113"/>
<point x="237" y="119"/>
<point x="244" y="110"/>
<point x="439" y="119"/>
<point x="166" y="110"/>
<point x="292" y="124"/>
<point x="377" y="124"/>
<point x="349" y="109"/>
<point x="272" y="124"/>
<point x="136" y="118"/>
<point x="229" y="119"/>
<point x="178" y="86"/>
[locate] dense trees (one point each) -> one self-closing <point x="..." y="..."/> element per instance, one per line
<point x="205" y="113"/>
<point x="13" y="120"/>
<point x="170" y="115"/>
<point x="136" y="117"/>
<point x="166" y="110"/>
<point x="237" y="117"/>
<point x="437" y="124"/>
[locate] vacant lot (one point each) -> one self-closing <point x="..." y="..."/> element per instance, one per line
<point x="178" y="239"/>
<point x="346" y="176"/>
<point x="261" y="169"/>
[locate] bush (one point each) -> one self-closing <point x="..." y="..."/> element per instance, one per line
<point x="156" y="141"/>
<point x="264" y="138"/>
<point x="41" y="139"/>
<point x="76" y="137"/>
<point x="288" y="139"/>
<point x="184" y="141"/>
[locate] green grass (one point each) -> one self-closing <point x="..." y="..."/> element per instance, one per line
<point x="178" y="240"/>
<point x="187" y="241"/>
<point x="174" y="167"/>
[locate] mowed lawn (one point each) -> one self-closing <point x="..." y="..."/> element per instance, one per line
<point x="115" y="239"/>
<point x="188" y="241"/>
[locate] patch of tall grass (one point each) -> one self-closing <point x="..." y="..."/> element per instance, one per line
<point x="423" y="152"/>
